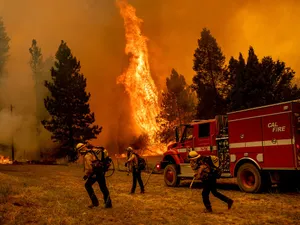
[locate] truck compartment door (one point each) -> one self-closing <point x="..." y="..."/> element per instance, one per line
<point x="278" y="141"/>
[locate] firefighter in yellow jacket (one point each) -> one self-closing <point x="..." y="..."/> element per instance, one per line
<point x="132" y="165"/>
<point x="92" y="177"/>
<point x="203" y="172"/>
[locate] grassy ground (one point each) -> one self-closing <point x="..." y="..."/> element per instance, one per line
<point x="36" y="194"/>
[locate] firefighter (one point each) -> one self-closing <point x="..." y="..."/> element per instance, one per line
<point x="92" y="177"/>
<point x="132" y="165"/>
<point x="203" y="172"/>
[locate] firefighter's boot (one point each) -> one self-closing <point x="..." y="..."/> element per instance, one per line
<point x="95" y="202"/>
<point x="108" y="203"/>
<point x="208" y="210"/>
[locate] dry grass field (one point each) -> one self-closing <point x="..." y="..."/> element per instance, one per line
<point x="39" y="194"/>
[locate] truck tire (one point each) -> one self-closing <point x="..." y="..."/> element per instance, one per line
<point x="249" y="178"/>
<point x="170" y="176"/>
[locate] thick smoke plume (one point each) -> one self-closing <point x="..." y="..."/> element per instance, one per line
<point x="94" y="31"/>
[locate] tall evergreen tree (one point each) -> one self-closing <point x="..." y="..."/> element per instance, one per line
<point x="71" y="119"/>
<point x="209" y="79"/>
<point x="36" y="60"/>
<point x="36" y="64"/>
<point x="236" y="71"/>
<point x="4" y="46"/>
<point x="279" y="81"/>
<point x="41" y="72"/>
<point x="259" y="83"/>
<point x="178" y="105"/>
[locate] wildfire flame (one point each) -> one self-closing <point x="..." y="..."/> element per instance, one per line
<point x="137" y="78"/>
<point x="5" y="160"/>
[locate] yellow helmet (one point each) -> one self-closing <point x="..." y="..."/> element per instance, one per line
<point x="80" y="147"/>
<point x="193" y="155"/>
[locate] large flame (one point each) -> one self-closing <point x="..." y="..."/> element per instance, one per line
<point x="137" y="78"/>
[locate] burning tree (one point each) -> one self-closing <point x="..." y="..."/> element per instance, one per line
<point x="71" y="119"/>
<point x="178" y="106"/>
<point x="209" y="67"/>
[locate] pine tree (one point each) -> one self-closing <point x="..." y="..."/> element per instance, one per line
<point x="71" y="119"/>
<point x="237" y="93"/>
<point x="36" y="64"/>
<point x="4" y="46"/>
<point x="259" y="83"/>
<point x="278" y="79"/>
<point x="209" y="79"/>
<point x="178" y="105"/>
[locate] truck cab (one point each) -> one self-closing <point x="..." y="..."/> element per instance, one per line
<point x="201" y="136"/>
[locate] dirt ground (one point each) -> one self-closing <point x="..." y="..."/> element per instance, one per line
<point x="36" y="194"/>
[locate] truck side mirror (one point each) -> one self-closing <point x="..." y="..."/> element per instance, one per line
<point x="176" y="134"/>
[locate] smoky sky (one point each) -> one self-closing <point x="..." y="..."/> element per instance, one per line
<point x="94" y="31"/>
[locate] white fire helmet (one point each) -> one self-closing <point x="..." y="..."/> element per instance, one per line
<point x="129" y="149"/>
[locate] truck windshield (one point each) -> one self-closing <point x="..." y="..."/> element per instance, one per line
<point x="187" y="133"/>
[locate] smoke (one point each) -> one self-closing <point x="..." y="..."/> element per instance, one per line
<point x="94" y="31"/>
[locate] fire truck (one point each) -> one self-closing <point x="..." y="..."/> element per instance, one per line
<point x="259" y="147"/>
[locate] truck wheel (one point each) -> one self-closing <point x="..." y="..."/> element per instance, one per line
<point x="249" y="178"/>
<point x="170" y="176"/>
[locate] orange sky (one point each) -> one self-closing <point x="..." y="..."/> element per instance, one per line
<point x="93" y="29"/>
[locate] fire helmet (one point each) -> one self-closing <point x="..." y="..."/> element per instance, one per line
<point x="129" y="149"/>
<point x="80" y="147"/>
<point x="193" y="155"/>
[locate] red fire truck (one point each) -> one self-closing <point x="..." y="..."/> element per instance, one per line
<point x="259" y="146"/>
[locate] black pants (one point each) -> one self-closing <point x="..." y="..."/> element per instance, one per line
<point x="136" y="176"/>
<point x="100" y="178"/>
<point x="210" y="185"/>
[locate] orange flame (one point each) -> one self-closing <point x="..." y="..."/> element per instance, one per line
<point x="5" y="160"/>
<point x="137" y="79"/>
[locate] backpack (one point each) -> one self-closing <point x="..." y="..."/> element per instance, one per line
<point x="101" y="165"/>
<point x="141" y="162"/>
<point x="214" y="163"/>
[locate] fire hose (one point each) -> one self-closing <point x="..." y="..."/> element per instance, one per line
<point x="149" y="176"/>
<point x="112" y="169"/>
<point x="192" y="182"/>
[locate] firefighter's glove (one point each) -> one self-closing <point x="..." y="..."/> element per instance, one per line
<point x="85" y="177"/>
